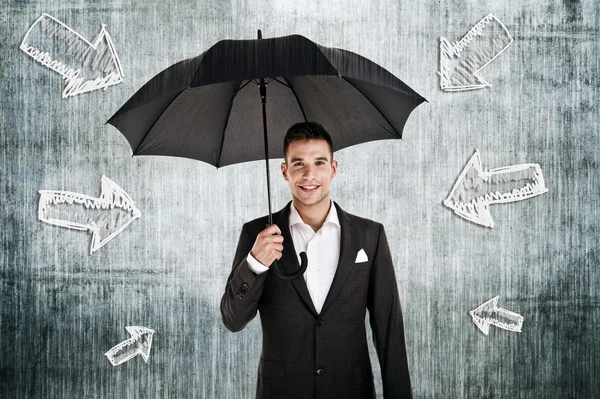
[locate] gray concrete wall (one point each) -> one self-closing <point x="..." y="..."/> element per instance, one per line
<point x="62" y="308"/>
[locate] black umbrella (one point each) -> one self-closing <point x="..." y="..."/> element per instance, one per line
<point x="206" y="107"/>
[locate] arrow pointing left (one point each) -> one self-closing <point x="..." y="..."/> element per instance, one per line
<point x="104" y="216"/>
<point x="474" y="192"/>
<point x="489" y="313"/>
<point x="139" y="343"/>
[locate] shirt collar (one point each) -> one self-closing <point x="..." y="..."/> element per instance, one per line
<point x="332" y="216"/>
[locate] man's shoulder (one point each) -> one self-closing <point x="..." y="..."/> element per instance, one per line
<point x="362" y="220"/>
<point x="356" y="220"/>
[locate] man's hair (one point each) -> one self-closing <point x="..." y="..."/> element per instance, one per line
<point x="306" y="131"/>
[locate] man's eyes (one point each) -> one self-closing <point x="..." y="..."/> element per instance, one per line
<point x="302" y="164"/>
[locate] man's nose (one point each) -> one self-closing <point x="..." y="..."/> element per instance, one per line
<point x="309" y="171"/>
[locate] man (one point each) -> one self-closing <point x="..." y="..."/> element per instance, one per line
<point x="314" y="336"/>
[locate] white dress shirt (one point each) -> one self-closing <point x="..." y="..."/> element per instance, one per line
<point x="322" y="249"/>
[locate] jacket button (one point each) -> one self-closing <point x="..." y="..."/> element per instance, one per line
<point x="320" y="371"/>
<point x="320" y="322"/>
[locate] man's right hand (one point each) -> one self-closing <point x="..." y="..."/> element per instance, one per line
<point x="267" y="247"/>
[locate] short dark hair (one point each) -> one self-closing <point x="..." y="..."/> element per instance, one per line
<point x="306" y="131"/>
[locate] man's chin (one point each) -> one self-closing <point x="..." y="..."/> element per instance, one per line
<point x="306" y="202"/>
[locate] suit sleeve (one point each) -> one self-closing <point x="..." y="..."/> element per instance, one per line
<point x="385" y="316"/>
<point x="239" y="303"/>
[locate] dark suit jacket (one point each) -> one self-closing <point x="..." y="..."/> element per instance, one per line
<point x="310" y="355"/>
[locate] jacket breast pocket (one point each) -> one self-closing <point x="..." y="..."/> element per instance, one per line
<point x="272" y="369"/>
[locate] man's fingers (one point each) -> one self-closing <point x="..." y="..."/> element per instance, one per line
<point x="268" y="245"/>
<point x="271" y="230"/>
<point x="268" y="236"/>
<point x="277" y="230"/>
<point x="277" y="239"/>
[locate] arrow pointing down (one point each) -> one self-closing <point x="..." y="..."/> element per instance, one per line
<point x="461" y="61"/>
<point x="60" y="48"/>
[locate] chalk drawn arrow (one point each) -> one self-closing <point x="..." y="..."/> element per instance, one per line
<point x="139" y="343"/>
<point x="489" y="313"/>
<point x="64" y="208"/>
<point x="462" y="61"/>
<point x="58" y="47"/>
<point x="472" y="193"/>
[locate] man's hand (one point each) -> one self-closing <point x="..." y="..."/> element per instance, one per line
<point x="267" y="247"/>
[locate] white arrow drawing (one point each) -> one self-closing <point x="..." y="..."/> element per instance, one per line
<point x="63" y="208"/>
<point x="472" y="193"/>
<point x="139" y="343"/>
<point x="483" y="43"/>
<point x="58" y="47"/>
<point x="490" y="314"/>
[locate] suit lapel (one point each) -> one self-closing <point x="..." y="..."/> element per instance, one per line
<point x="289" y="259"/>
<point x="349" y="246"/>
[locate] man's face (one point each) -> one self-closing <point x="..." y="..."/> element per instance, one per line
<point x="308" y="170"/>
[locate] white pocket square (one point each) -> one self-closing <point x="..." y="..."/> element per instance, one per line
<point x="361" y="256"/>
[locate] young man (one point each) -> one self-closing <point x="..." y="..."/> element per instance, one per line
<point x="314" y="337"/>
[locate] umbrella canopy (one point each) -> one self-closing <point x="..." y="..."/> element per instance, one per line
<point x="207" y="107"/>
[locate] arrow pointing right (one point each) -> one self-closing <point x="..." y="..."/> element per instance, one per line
<point x="63" y="208"/>
<point x="489" y="313"/>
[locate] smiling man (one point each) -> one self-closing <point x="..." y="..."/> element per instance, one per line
<point x="314" y="334"/>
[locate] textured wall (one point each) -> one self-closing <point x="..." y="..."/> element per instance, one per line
<point x="62" y="308"/>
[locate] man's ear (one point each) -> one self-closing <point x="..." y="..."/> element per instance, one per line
<point x="284" y="171"/>
<point x="334" y="166"/>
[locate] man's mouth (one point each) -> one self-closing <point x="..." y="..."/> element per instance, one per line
<point x="309" y="189"/>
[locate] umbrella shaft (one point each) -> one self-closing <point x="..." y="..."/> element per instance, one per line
<point x="263" y="103"/>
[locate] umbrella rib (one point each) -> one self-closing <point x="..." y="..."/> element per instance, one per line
<point x="295" y="96"/>
<point x="245" y="84"/>
<point x="157" y="119"/>
<point x="374" y="106"/>
<point x="279" y="81"/>
<point x="227" y="119"/>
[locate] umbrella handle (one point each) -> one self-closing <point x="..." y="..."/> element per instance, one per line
<point x="277" y="269"/>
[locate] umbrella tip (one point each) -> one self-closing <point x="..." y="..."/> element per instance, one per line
<point x="259" y="34"/>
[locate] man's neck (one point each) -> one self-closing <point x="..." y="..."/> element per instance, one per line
<point x="314" y="215"/>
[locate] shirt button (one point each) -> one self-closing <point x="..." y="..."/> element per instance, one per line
<point x="320" y="371"/>
<point x="320" y="322"/>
